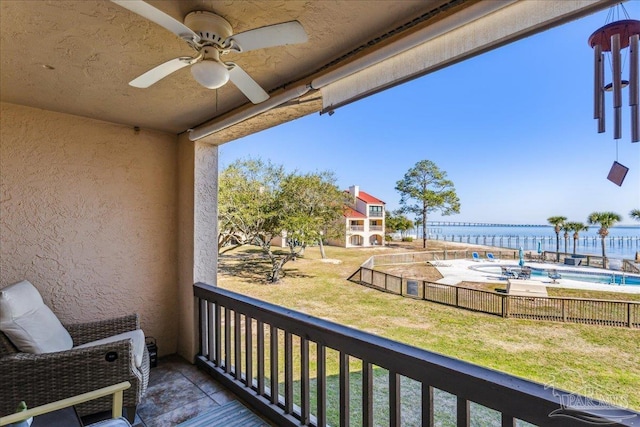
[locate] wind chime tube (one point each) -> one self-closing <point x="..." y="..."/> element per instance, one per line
<point x="617" y="70"/>
<point x="597" y="89"/>
<point x="635" y="124"/>
<point x="617" y="86"/>
<point x="633" y="70"/>
<point x="601" y="111"/>
<point x="617" y="123"/>
<point x="633" y="87"/>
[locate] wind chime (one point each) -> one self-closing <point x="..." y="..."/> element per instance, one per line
<point x="609" y="43"/>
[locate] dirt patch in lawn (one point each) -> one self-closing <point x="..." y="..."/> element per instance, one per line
<point x="420" y="271"/>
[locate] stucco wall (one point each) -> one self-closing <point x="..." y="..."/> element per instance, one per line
<point x="88" y="215"/>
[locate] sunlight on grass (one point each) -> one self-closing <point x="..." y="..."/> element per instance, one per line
<point x="579" y="358"/>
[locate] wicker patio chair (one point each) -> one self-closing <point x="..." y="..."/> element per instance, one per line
<point x="43" y="378"/>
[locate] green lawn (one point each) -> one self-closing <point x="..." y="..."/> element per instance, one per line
<point x="595" y="360"/>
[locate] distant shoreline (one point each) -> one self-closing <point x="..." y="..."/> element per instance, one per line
<point x="442" y="245"/>
<point x="622" y="242"/>
<point x="497" y="225"/>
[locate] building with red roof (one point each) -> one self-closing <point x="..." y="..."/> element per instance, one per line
<point x="364" y="220"/>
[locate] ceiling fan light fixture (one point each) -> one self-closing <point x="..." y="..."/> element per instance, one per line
<point x="210" y="35"/>
<point x="210" y="74"/>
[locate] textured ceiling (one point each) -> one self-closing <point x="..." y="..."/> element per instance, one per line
<point x="77" y="57"/>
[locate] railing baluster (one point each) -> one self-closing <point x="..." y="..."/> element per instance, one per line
<point x="211" y="330"/>
<point x="305" y="408"/>
<point x="218" y="335"/>
<point x="237" y="341"/>
<point x="288" y="373"/>
<point x="203" y="326"/>
<point x="273" y="356"/>
<point x="394" y="399"/>
<point x="322" y="386"/>
<point x="344" y="389"/>
<point x="227" y="340"/>
<point x="248" y="350"/>
<point x="462" y="412"/>
<point x="427" y="405"/>
<point x="508" y="421"/>
<point x="367" y="394"/>
<point x="260" y="355"/>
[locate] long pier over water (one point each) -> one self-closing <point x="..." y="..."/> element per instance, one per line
<point x="623" y="240"/>
<point x="478" y="224"/>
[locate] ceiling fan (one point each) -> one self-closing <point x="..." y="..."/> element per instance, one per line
<point x="210" y="36"/>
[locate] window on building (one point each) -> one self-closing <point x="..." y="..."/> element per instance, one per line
<point x="356" y="240"/>
<point x="375" y="211"/>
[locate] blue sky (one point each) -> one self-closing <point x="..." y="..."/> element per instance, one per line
<point x="512" y="128"/>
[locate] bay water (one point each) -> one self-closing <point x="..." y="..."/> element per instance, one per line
<point x="622" y="242"/>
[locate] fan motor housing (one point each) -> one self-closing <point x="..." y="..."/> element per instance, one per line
<point x="209" y="26"/>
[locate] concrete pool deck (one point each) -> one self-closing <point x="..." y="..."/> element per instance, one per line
<point x="462" y="270"/>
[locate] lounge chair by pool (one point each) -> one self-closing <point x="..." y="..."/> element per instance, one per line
<point x="476" y="257"/>
<point x="490" y="257"/>
<point x="554" y="275"/>
<point x="437" y="262"/>
<point x="507" y="273"/>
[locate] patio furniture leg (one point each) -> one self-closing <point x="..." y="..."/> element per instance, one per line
<point x="130" y="413"/>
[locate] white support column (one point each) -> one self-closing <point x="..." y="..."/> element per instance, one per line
<point x="206" y="214"/>
<point x="198" y="233"/>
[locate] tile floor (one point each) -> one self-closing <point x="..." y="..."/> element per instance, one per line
<point x="179" y="391"/>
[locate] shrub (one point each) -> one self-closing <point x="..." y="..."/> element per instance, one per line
<point x="407" y="239"/>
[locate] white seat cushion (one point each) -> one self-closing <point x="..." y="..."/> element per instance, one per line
<point x="29" y="323"/>
<point x="138" y="343"/>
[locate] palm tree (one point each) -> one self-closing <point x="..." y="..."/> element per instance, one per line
<point x="576" y="227"/>
<point x="557" y="222"/>
<point x="606" y="220"/>
<point x="635" y="214"/>
<point x="566" y="229"/>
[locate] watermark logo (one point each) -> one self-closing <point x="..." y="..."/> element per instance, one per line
<point x="590" y="403"/>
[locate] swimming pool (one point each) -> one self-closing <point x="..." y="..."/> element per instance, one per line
<point x="612" y="278"/>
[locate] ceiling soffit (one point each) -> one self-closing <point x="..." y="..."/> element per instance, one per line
<point x="77" y="57"/>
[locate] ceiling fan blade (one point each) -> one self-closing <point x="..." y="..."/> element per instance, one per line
<point x="246" y="84"/>
<point x="286" y="33"/>
<point x="159" y="17"/>
<point x="160" y="72"/>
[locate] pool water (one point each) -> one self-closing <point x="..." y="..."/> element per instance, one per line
<point x="582" y="276"/>
<point x="585" y="276"/>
